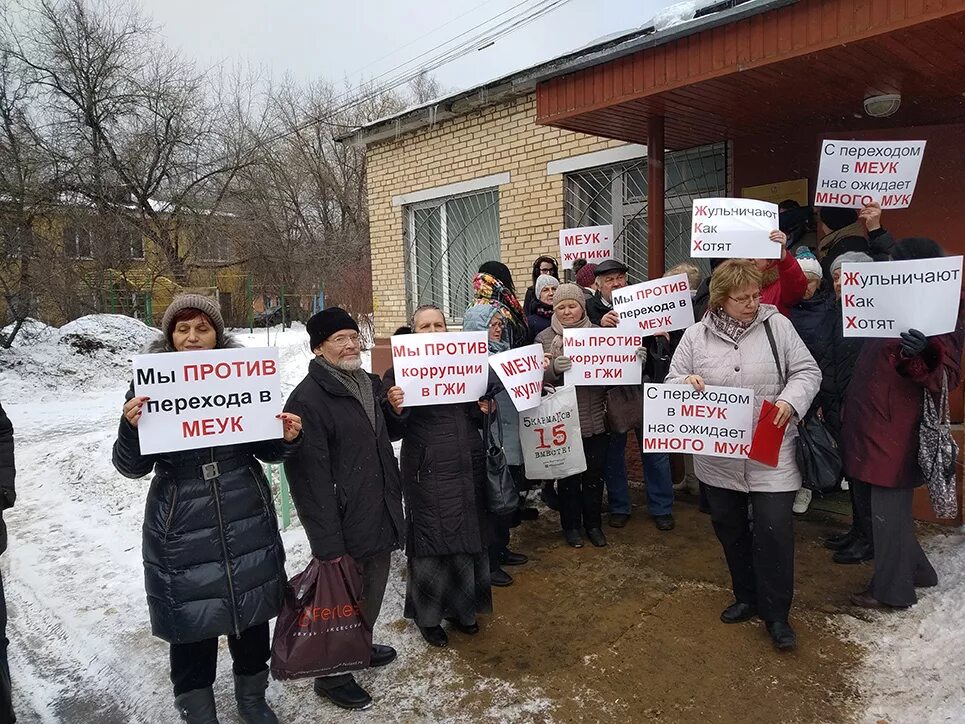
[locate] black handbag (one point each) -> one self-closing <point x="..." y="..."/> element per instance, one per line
<point x="817" y="453"/>
<point x="502" y="498"/>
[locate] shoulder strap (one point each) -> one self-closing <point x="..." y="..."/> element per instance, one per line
<point x="777" y="357"/>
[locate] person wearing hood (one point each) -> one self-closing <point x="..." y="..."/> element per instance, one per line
<point x="543" y="265"/>
<point x="844" y="230"/>
<point x="483" y="318"/>
<point x="882" y="417"/>
<point x="730" y="347"/>
<point x="812" y="318"/>
<point x="199" y="587"/>
<point x="542" y="308"/>
<point x="444" y="481"/>
<point x="493" y="286"/>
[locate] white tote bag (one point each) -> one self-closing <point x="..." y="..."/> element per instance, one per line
<point x="551" y="439"/>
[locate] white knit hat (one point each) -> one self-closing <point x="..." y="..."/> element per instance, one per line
<point x="811" y="266"/>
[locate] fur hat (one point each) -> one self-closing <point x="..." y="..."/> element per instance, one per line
<point x="545" y="280"/>
<point x="327" y="322"/>
<point x="208" y="305"/>
<point x="849" y="257"/>
<point x="570" y="292"/>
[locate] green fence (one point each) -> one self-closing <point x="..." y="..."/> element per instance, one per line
<point x="280" y="493"/>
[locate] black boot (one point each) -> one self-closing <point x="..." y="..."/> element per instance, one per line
<point x="250" y="695"/>
<point x="782" y="635"/>
<point x="842" y="540"/>
<point x="434" y="635"/>
<point x="573" y="538"/>
<point x="469" y="629"/>
<point x="596" y="537"/>
<point x="197" y="706"/>
<point x="382" y="655"/>
<point x="858" y="552"/>
<point x="738" y="612"/>
<point x="347" y="696"/>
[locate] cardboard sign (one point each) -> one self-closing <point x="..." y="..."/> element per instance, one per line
<point x="856" y="173"/>
<point x="717" y="421"/>
<point x="661" y="305"/>
<point x="886" y="298"/>
<point x="593" y="243"/>
<point x="521" y="372"/>
<point x="550" y="437"/>
<point x="208" y="398"/>
<point x="602" y="356"/>
<point x="441" y="368"/>
<point x="734" y="228"/>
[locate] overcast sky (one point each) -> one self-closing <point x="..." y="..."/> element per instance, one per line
<point x="364" y="38"/>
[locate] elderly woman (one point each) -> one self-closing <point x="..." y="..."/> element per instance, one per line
<point x="882" y="416"/>
<point x="213" y="559"/>
<point x="444" y="479"/>
<point x="581" y="495"/>
<point x="541" y="309"/>
<point x="730" y="347"/>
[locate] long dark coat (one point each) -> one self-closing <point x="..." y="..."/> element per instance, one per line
<point x="883" y="407"/>
<point x="345" y="478"/>
<point x="443" y="476"/>
<point x="214" y="563"/>
<point x="8" y="473"/>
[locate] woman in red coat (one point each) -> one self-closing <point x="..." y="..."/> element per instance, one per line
<point x="882" y="413"/>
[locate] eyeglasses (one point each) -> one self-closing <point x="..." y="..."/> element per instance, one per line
<point x="755" y="298"/>
<point x="346" y="340"/>
<point x="546" y="270"/>
<point x="496" y="324"/>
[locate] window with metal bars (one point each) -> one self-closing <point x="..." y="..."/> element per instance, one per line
<point x="617" y="194"/>
<point x="446" y="241"/>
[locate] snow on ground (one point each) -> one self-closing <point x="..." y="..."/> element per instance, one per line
<point x="81" y="649"/>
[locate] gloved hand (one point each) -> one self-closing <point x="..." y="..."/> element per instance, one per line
<point x="642" y="355"/>
<point x="562" y="364"/>
<point x="913" y="343"/>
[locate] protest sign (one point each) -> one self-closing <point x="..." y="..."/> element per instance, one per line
<point x="886" y="298"/>
<point x="521" y="372"/>
<point x="208" y="398"/>
<point x="601" y="356"/>
<point x="593" y="243"/>
<point x="734" y="228"/>
<point x="717" y="421"/>
<point x="441" y="368"/>
<point x="551" y="439"/>
<point x="661" y="305"/>
<point x="853" y="174"/>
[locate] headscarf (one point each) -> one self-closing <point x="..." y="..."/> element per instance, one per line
<point x="492" y="292"/>
<point x="477" y="319"/>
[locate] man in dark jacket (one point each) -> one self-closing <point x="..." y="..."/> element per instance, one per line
<point x="8" y="495"/>
<point x="345" y="480"/>
<point x="844" y="230"/>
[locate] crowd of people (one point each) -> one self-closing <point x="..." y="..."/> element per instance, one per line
<point x="214" y="561"/>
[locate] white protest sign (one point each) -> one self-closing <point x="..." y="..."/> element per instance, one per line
<point x="550" y="437"/>
<point x="593" y="243"/>
<point x="734" y="228"/>
<point x="886" y="298"/>
<point x="856" y="173"/>
<point x="208" y="398"/>
<point x="521" y="372"/>
<point x="717" y="421"/>
<point x="602" y="356"/>
<point x="661" y="305"/>
<point x="441" y="368"/>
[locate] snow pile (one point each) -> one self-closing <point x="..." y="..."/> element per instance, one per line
<point x="679" y="13"/>
<point x="31" y="331"/>
<point x="913" y="670"/>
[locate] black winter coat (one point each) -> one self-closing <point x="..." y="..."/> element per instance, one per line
<point x="813" y="320"/>
<point x="596" y="308"/>
<point x="8" y="472"/>
<point x="214" y="563"/>
<point x="838" y="367"/>
<point x="538" y="322"/>
<point x="443" y="476"/>
<point x="345" y="478"/>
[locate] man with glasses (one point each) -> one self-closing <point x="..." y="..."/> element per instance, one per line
<point x="345" y="480"/>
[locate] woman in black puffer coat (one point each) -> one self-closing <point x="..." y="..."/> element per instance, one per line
<point x="214" y="563"/>
<point x="443" y="465"/>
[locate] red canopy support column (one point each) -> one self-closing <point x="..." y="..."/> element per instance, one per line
<point x="655" y="198"/>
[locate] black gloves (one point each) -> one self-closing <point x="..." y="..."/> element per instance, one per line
<point x="913" y="343"/>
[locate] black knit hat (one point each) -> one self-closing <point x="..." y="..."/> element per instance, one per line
<point x="835" y="218"/>
<point x="324" y="324"/>
<point x="917" y="247"/>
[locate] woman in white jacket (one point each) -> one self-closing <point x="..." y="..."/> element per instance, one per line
<point x="730" y="348"/>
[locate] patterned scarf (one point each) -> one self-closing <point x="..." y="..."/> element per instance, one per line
<point x="730" y="327"/>
<point x="557" y="347"/>
<point x="489" y="290"/>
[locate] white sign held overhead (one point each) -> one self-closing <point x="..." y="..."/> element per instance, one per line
<point x="593" y="243"/>
<point x="734" y="228"/>
<point x="441" y="368"/>
<point x="208" y="398"/>
<point x="853" y="174"/>
<point x="521" y="372"/>
<point x="661" y="305"/>
<point x="886" y="298"/>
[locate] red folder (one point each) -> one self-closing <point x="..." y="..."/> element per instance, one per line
<point x="766" y="444"/>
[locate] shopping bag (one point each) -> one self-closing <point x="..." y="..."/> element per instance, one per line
<point x="551" y="438"/>
<point x="320" y="630"/>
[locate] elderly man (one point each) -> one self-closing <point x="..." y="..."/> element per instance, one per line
<point x="345" y="480"/>
<point x="612" y="275"/>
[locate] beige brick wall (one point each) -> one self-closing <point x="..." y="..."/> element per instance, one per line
<point x="500" y="139"/>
